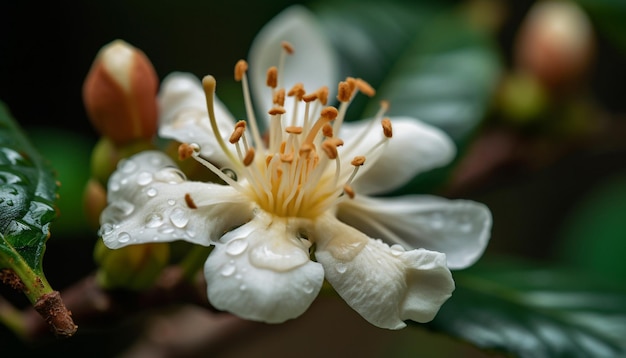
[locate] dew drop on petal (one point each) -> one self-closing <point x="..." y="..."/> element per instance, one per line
<point x="341" y="268"/>
<point x="151" y="192"/>
<point x="144" y="178"/>
<point x="171" y="202"/>
<point x="154" y="220"/>
<point x="307" y="288"/>
<point x="114" y="186"/>
<point x="228" y="270"/>
<point x="238" y="276"/>
<point x="179" y="217"/>
<point x="166" y="229"/>
<point x="243" y="287"/>
<point x="397" y="250"/>
<point x="236" y="247"/>
<point x="123" y="237"/>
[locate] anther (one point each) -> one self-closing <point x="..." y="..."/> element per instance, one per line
<point x="286" y="158"/>
<point x="349" y="191"/>
<point x="247" y="160"/>
<point x="293" y="130"/>
<point x="276" y="110"/>
<point x="343" y="92"/>
<point x="279" y="97"/>
<point x="358" y="161"/>
<point x="329" y="113"/>
<point x="327" y="130"/>
<point x="365" y="87"/>
<point x="322" y="95"/>
<point x="237" y="134"/>
<point x="309" y="97"/>
<point x="305" y="149"/>
<point x="272" y="77"/>
<point x="287" y="47"/>
<point x="384" y="104"/>
<point x="352" y="83"/>
<point x="240" y="69"/>
<point x="189" y="201"/>
<point x="387" y="127"/>
<point x="297" y="90"/>
<point x="185" y="151"/>
<point x="329" y="147"/>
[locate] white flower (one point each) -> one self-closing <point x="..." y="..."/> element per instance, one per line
<point x="302" y="194"/>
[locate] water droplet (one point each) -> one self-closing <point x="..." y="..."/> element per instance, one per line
<point x="171" y="201"/>
<point x="397" y="250"/>
<point x="155" y="161"/>
<point x="228" y="270"/>
<point x="115" y="186"/>
<point x="341" y="267"/>
<point x="127" y="166"/>
<point x="238" y="276"/>
<point x="166" y="229"/>
<point x="144" y="178"/>
<point x="154" y="220"/>
<point x="307" y="288"/>
<point x="124" y="207"/>
<point x="106" y="229"/>
<point x="243" y="287"/>
<point x="151" y="192"/>
<point x="179" y="217"/>
<point x="123" y="237"/>
<point x="436" y="221"/>
<point x="191" y="232"/>
<point x="236" y="247"/>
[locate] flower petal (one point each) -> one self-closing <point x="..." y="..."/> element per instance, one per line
<point x="385" y="285"/>
<point x="261" y="271"/>
<point x="458" y="228"/>
<point x="150" y="201"/>
<point x="184" y="117"/>
<point x="414" y="148"/>
<point x="313" y="63"/>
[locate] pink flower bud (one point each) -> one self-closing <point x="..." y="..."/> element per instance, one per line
<point x="120" y="93"/>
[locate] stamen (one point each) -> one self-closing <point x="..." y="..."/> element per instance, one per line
<point x="279" y="97"/>
<point x="272" y="77"/>
<point x="322" y="95"/>
<point x="327" y="115"/>
<point x="240" y="74"/>
<point x="237" y="133"/>
<point x="358" y="161"/>
<point x="349" y="191"/>
<point x="276" y="111"/>
<point x="287" y="47"/>
<point x="185" y="151"/>
<point x="297" y="90"/>
<point x="227" y="179"/>
<point x="387" y="127"/>
<point x="344" y="94"/>
<point x="327" y="130"/>
<point x="247" y="160"/>
<point x="240" y="69"/>
<point x="189" y="201"/>
<point x="208" y="84"/>
<point x="309" y="97"/>
<point x="365" y="88"/>
<point x="293" y="130"/>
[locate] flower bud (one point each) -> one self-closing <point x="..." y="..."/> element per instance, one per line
<point x="119" y="93"/>
<point x="134" y="267"/>
<point x="555" y="43"/>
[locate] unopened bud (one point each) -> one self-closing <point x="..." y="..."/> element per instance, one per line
<point x="555" y="42"/>
<point x="134" y="267"/>
<point x="120" y="92"/>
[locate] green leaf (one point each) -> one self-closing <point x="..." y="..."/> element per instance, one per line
<point x="536" y="312"/>
<point x="427" y="61"/>
<point x="27" y="193"/>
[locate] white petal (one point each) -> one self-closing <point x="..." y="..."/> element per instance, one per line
<point x="414" y="148"/>
<point x="385" y="285"/>
<point x="459" y="228"/>
<point x="184" y="117"/>
<point x="261" y="271"/>
<point x="313" y="63"/>
<point x="146" y="203"/>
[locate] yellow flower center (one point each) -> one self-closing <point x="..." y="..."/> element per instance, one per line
<point x="298" y="171"/>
